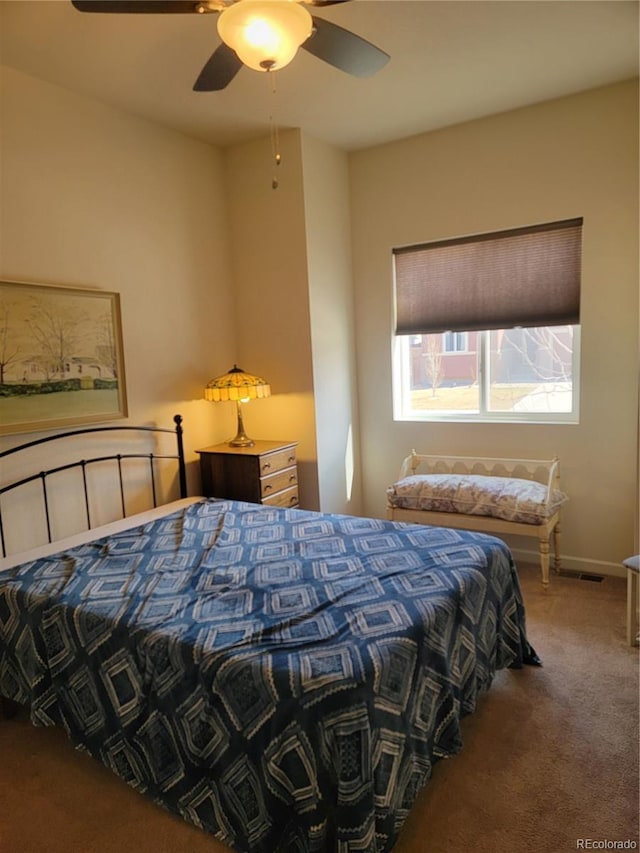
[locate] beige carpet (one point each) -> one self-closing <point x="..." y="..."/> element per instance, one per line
<point x="550" y="757"/>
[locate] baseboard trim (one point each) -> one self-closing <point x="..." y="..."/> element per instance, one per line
<point x="573" y="564"/>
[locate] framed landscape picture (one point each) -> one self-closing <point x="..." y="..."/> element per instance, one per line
<point x="61" y="360"/>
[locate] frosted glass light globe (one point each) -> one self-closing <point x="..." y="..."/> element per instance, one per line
<point x="266" y="34"/>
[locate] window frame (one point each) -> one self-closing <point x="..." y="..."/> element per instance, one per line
<point x="525" y="277"/>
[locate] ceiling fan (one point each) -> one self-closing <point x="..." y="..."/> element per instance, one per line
<point x="262" y="34"/>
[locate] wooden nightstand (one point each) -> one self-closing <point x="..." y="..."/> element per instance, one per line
<point x="266" y="473"/>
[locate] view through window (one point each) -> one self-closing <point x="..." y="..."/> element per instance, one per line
<point x="519" y="374"/>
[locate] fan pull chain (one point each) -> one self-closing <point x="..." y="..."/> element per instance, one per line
<point x="273" y="131"/>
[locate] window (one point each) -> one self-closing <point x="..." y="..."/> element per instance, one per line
<point x="487" y="327"/>
<point x="454" y="341"/>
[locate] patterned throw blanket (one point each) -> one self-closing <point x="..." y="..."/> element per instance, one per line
<point x="283" y="679"/>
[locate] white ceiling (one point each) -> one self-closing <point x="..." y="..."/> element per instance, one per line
<point x="451" y="61"/>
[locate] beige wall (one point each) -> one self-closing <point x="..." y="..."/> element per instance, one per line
<point x="271" y="293"/>
<point x="292" y="287"/>
<point x="210" y="261"/>
<point x="214" y="266"/>
<point x="575" y="156"/>
<point x="328" y="239"/>
<point x="92" y="197"/>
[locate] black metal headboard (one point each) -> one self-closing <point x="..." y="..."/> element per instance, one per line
<point x="83" y="463"/>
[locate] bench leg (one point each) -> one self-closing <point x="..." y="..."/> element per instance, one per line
<point x="544" y="561"/>
<point x="632" y="607"/>
<point x="556" y="548"/>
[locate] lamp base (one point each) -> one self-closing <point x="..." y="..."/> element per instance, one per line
<point x="241" y="439"/>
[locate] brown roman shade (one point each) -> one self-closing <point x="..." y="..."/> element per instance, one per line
<point x="521" y="277"/>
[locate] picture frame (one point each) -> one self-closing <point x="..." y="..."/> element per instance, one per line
<point x="61" y="357"/>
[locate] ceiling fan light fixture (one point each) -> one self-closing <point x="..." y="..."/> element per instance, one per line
<point x="266" y="34"/>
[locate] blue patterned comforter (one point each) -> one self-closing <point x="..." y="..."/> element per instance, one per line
<point x="284" y="679"/>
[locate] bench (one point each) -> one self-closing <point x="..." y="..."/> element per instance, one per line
<point x="521" y="497"/>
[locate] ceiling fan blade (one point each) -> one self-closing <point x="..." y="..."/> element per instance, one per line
<point x="344" y="50"/>
<point x="136" y="6"/>
<point x="220" y="69"/>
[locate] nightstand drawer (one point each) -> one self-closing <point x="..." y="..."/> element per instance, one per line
<point x="276" y="482"/>
<point x="289" y="497"/>
<point x="272" y="462"/>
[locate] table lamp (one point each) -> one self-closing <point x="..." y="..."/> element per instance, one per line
<point x="241" y="387"/>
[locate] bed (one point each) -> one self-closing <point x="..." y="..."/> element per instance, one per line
<point x="283" y="679"/>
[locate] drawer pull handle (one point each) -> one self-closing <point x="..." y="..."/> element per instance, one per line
<point x="293" y="500"/>
<point x="266" y="466"/>
<point x="291" y="459"/>
<point x="268" y="488"/>
<point x="292" y="478"/>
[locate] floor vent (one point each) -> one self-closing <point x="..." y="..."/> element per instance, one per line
<point x="581" y="576"/>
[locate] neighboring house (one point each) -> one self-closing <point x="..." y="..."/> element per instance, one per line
<point x="35" y="369"/>
<point x="518" y="355"/>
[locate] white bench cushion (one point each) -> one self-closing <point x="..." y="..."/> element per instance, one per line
<point x="509" y="498"/>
